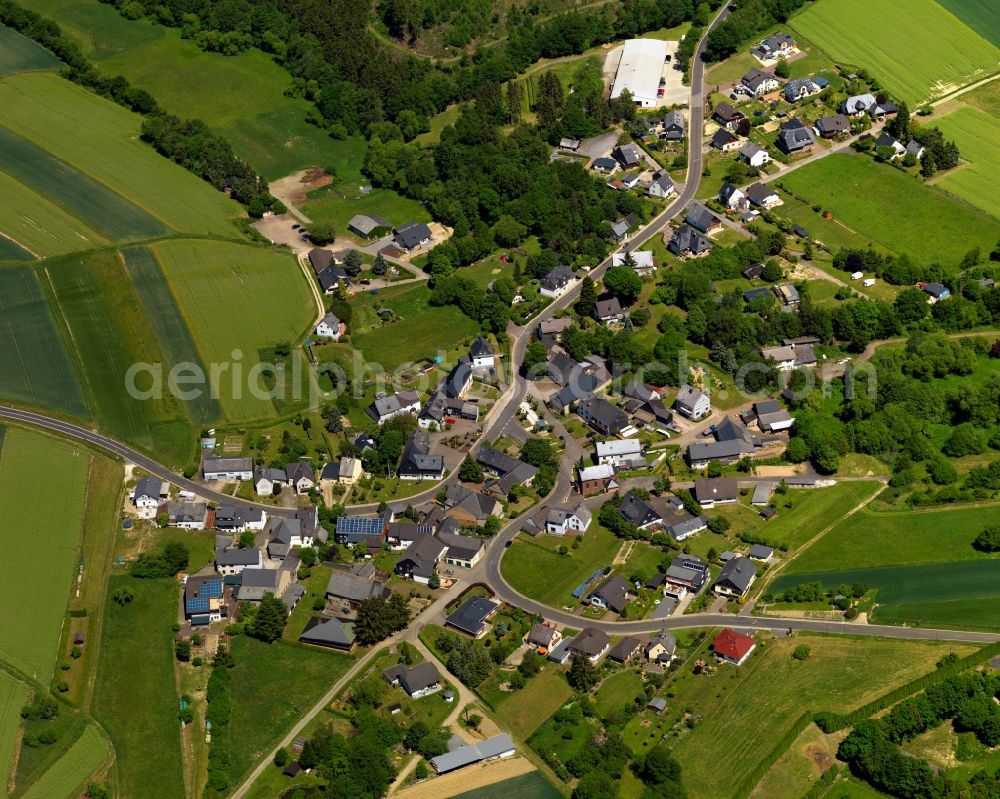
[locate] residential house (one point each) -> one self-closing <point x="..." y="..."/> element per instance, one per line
<point x="463" y="551"/>
<point x="692" y="403"/>
<point x="331" y="633"/>
<point x="833" y="126"/>
<point x="333" y="278"/>
<point x="936" y="291"/>
<point x="859" y="104"/>
<point x="412" y="236"/>
<point x="763" y="195"/>
<point x="366" y="226"/>
<point x="627" y="155"/>
<point x="417" y="463"/>
<point x="353" y="530"/>
<point x="320" y="259"/>
<point x="400" y="535"/>
<point x="753" y="272"/>
<point x="661" y="186"/>
<point x="733" y="647"/>
<point x="500" y="464"/>
<point x="638" y="512"/>
<point x="354" y="585"/>
<point x="421" y="558"/>
<point x="735" y="578"/>
<point x="149" y="493"/>
<point x="757" y="83"/>
<point x="888" y="142"/>
<point x="441" y="409"/>
<point x="641" y="261"/>
<point x="674" y="127"/>
<point x="723" y="140"/>
<point x="347" y="471"/>
<point x="204" y="600"/>
<point x="388" y="406"/>
<point x="557" y="282"/>
<point x="661" y="648"/>
<point x="701" y="454"/>
<point x="790" y="357"/>
<point x="770" y="417"/>
<point x="499" y="746"/>
<point x="265" y="480"/>
<point x="257" y="582"/>
<point x="185" y="515"/>
<point x="703" y="220"/>
<point x="227" y="468"/>
<point x="330" y="327"/>
<point x="795" y="136"/>
<point x="612" y="594"/>
<point x="554" y="327"/>
<point x="718" y="491"/>
<point x="523" y="475"/>
<point x="459" y="379"/>
<point x="472" y="616"/>
<point x="609" y="311"/>
<point x="481" y="353"/>
<point x="597" y="479"/>
<point x="569" y="144"/>
<point x="915" y="149"/>
<point x="761" y="552"/>
<point x="626" y="649"/>
<point x="566" y="521"/>
<point x="602" y="416"/>
<point x="604" y="165"/>
<point x="233" y="560"/>
<point x="620" y="229"/>
<point x="589" y="643"/>
<point x="754" y="155"/>
<point x="686" y="242"/>
<point x="686" y="526"/>
<point x="778" y="45"/>
<point x="542" y="637"/>
<point x="239" y="518"/>
<point x="728" y="116"/>
<point x="801" y="88"/>
<point x="625" y="453"/>
<point x="416" y="681"/>
<point x="686" y="574"/>
<point x="286" y="534"/>
<point x="470" y="508"/>
<point x="732" y="197"/>
<point x="300" y="476"/>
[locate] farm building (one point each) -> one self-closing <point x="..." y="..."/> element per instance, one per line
<point x="639" y="71"/>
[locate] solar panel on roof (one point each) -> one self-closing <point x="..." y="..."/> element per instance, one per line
<point x="211" y="588"/>
<point x="196" y="604"/>
<point x="358" y="524"/>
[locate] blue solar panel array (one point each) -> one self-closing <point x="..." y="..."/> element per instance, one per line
<point x="359" y="524"/>
<point x="197" y="604"/>
<point x="211" y="588"/>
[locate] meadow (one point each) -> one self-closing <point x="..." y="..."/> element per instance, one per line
<point x="13" y="695"/>
<point x="241" y="96"/>
<point x="980" y="15"/>
<point x="20" y="54"/>
<point x="100" y="140"/>
<point x="522" y="712"/>
<point x="11" y="251"/>
<point x="34" y="366"/>
<point x="39" y="225"/>
<point x="35" y="510"/>
<point x="71" y="771"/>
<point x="895" y="538"/>
<point x="236" y="298"/>
<point x="423" y="331"/>
<point x="135" y="697"/>
<point x="744" y="711"/>
<point x="976" y="134"/>
<point x="337" y="204"/>
<point x="918" y="55"/>
<point x="892" y="209"/>
<point x="526" y="786"/>
<point x="109" y="332"/>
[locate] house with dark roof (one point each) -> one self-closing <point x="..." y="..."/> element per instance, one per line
<point x="500" y="464"/>
<point x="686" y="242"/>
<point x="936" y="291"/>
<point x="463" y="551"/>
<point x="566" y="521"/>
<point x="330" y="327"/>
<point x="589" y="643"/>
<point x="330" y="633"/>
<point x="609" y="311"/>
<point x="832" y="126"/>
<point x="661" y="186"/>
<point x="459" y="379"/>
<point x="692" y="403"/>
<point x="795" y="136"/>
<point x="886" y="141"/>
<point x="472" y="616"/>
<point x="733" y="647"/>
<point x="602" y="416"/>
<point x="724" y="140"/>
<point x="470" y="508"/>
<point x="186" y="515"/>
<point x="916" y="149"/>
<point x="320" y="259"/>
<point x="239" y="518"/>
<point x="387" y="406"/>
<point x="757" y="83"/>
<point x="660" y="648"/>
<point x="801" y="88"/>
<point x="732" y="197"/>
<point x="735" y="578"/>
<point x="333" y="278"/>
<point x="701" y="454"/>
<point x="557" y="282"/>
<point x="257" y="582"/>
<point x="728" y="116"/>
<point x="265" y="480"/>
<point x="366" y="226"/>
<point x="421" y="558"/>
<point x="481" y="354"/>
<point x="604" y="164"/>
<point x="441" y="409"/>
<point x="542" y="637"/>
<point x="777" y="45"/>
<point x="204" y="599"/>
<point x="673" y="127"/>
<point x="754" y="155"/>
<point x="417" y="463"/>
<point x="627" y="155"/>
<point x="411" y="236"/>
<point x="355" y="585"/>
<point x="760" y="552"/>
<point x="150" y="492"/>
<point x="718" y="491"/>
<point x="763" y="195"/>
<point x="684" y="528"/>
<point x="416" y="681"/>
<point x="753" y="272"/>
<point x="703" y="220"/>
<point x="686" y="574"/>
<point x="626" y="649"/>
<point x="612" y="594"/>
<point x="638" y="511"/>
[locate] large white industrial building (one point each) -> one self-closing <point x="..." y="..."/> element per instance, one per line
<point x="640" y="69"/>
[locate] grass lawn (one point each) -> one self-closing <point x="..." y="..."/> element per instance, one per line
<point x="36" y="598"/>
<point x="20" y="54"/>
<point x="438" y="123"/>
<point x="13" y="695"/>
<point x="337" y="204"/>
<point x="71" y="771"/>
<point x="101" y="140"/>
<point x="745" y="710"/>
<point x="34" y="366"/>
<point x="40" y="225"/>
<point x="793" y="772"/>
<point x="891" y="208"/>
<point x="421" y="330"/>
<point x="522" y="712"/>
<point x="917" y="56"/>
<point x="136" y="695"/>
<point x="976" y="133"/>
<point x="272" y="686"/>
<point x="525" y="786"/>
<point x="237" y="299"/>
<point x="617" y="691"/>
<point x="895" y="538"/>
<point x="534" y="567"/>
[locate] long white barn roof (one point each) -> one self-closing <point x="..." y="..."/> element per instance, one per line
<point x="640" y="68"/>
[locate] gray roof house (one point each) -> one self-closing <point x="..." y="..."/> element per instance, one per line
<point x="602" y="415"/>
<point x="417" y="463"/>
<point x="417" y="681"/>
<point x="692" y="402"/>
<point x="332" y="633"/>
<point x="831" y="126"/>
<point x="609" y="310"/>
<point x="498" y="746"/>
<point x="472" y="615"/>
<point x="320" y="259"/>
<point x="735" y="578"/>
<point x="364" y="225"/>
<point x="673" y="126"/>
<point x="412" y="235"/>
<point x="718" y="491"/>
<point x="701" y="219"/>
<point x="612" y="594"/>
<point x="795" y="136"/>
<point x="627" y="155"/>
<point x="355" y="585"/>
<point x="638" y="511"/>
<point x="686" y="242"/>
<point x="590" y="643"/>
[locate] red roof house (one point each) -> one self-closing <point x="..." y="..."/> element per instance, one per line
<point x="733" y="647"/>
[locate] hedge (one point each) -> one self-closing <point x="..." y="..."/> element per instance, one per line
<point x="745" y="787"/>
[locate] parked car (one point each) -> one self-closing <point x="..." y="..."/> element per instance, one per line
<point x="365" y="281"/>
<point x="663" y="81"/>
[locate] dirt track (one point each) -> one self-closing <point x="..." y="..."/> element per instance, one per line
<point x="467" y="779"/>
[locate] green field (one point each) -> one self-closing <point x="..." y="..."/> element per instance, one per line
<point x="241" y="96"/>
<point x="920" y="54"/>
<point x="13" y="695"/>
<point x="237" y="298"/>
<point x="39" y="225"/>
<point x="617" y="691"/>
<point x="20" y="54"/>
<point x="980" y="15"/>
<point x="977" y="135"/>
<point x="100" y="140"/>
<point x="890" y="208"/>
<point x="136" y="697"/>
<point x="744" y="711"/>
<point x="337" y="205"/>
<point x="422" y="331"/>
<point x="896" y="538"/>
<point x="521" y="712"/>
<point x="10" y="251"/>
<point x="46" y="512"/>
<point x="525" y="786"/>
<point x="109" y="331"/>
<point x="71" y="771"/>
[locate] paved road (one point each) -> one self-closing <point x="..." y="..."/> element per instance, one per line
<point x="133" y="456"/>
